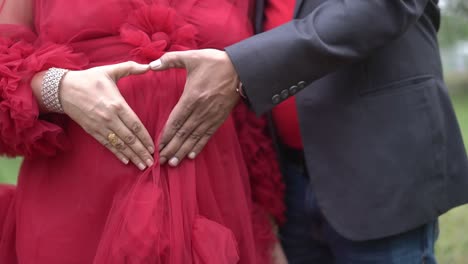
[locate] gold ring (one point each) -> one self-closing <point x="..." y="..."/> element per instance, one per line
<point x="113" y="139"/>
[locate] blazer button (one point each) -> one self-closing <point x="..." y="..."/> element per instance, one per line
<point x="301" y="84"/>
<point x="276" y="99"/>
<point x="293" y="90"/>
<point x="284" y="94"/>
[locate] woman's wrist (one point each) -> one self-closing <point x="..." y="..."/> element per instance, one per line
<point x="50" y="89"/>
<point x="46" y="86"/>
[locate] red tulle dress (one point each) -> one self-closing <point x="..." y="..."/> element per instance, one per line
<point x="75" y="202"/>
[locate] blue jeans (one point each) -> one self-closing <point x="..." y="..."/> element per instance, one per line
<point x="308" y="238"/>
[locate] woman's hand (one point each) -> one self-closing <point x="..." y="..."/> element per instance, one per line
<point x="92" y="99"/>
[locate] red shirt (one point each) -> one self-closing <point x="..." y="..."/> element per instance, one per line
<point x="278" y="12"/>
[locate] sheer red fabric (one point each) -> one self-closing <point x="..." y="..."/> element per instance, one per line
<point x="75" y="202"/>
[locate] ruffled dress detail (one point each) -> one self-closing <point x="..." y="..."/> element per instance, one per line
<point x="75" y="202"/>
<point x="21" y="130"/>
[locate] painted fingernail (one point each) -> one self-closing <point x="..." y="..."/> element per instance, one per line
<point x="141" y="166"/>
<point x="162" y="160"/>
<point x="174" y="162"/>
<point x="149" y="162"/>
<point x="125" y="161"/>
<point x="151" y="150"/>
<point x="155" y="64"/>
<point x="192" y="155"/>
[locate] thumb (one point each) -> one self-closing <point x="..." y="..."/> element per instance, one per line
<point x="175" y="59"/>
<point x="123" y="69"/>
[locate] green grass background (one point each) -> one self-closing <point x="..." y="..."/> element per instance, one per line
<point x="452" y="246"/>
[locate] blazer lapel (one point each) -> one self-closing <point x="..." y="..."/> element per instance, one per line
<point x="259" y="8"/>
<point x="298" y="7"/>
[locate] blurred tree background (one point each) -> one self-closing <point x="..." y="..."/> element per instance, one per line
<point x="452" y="247"/>
<point x="453" y="38"/>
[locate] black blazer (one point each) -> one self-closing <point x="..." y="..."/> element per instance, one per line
<point x="382" y="144"/>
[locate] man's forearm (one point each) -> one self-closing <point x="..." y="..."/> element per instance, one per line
<point x="336" y="33"/>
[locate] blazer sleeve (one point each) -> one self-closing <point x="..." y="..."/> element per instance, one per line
<point x="338" y="32"/>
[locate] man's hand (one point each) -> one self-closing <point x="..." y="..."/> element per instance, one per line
<point x="208" y="98"/>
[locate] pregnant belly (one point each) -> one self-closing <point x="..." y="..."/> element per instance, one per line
<point x="153" y="95"/>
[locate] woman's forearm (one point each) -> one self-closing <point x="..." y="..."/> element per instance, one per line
<point x="19" y="12"/>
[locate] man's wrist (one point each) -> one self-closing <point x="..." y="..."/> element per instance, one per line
<point x="240" y="91"/>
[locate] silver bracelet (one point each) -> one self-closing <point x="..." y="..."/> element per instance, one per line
<point x="50" y="89"/>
